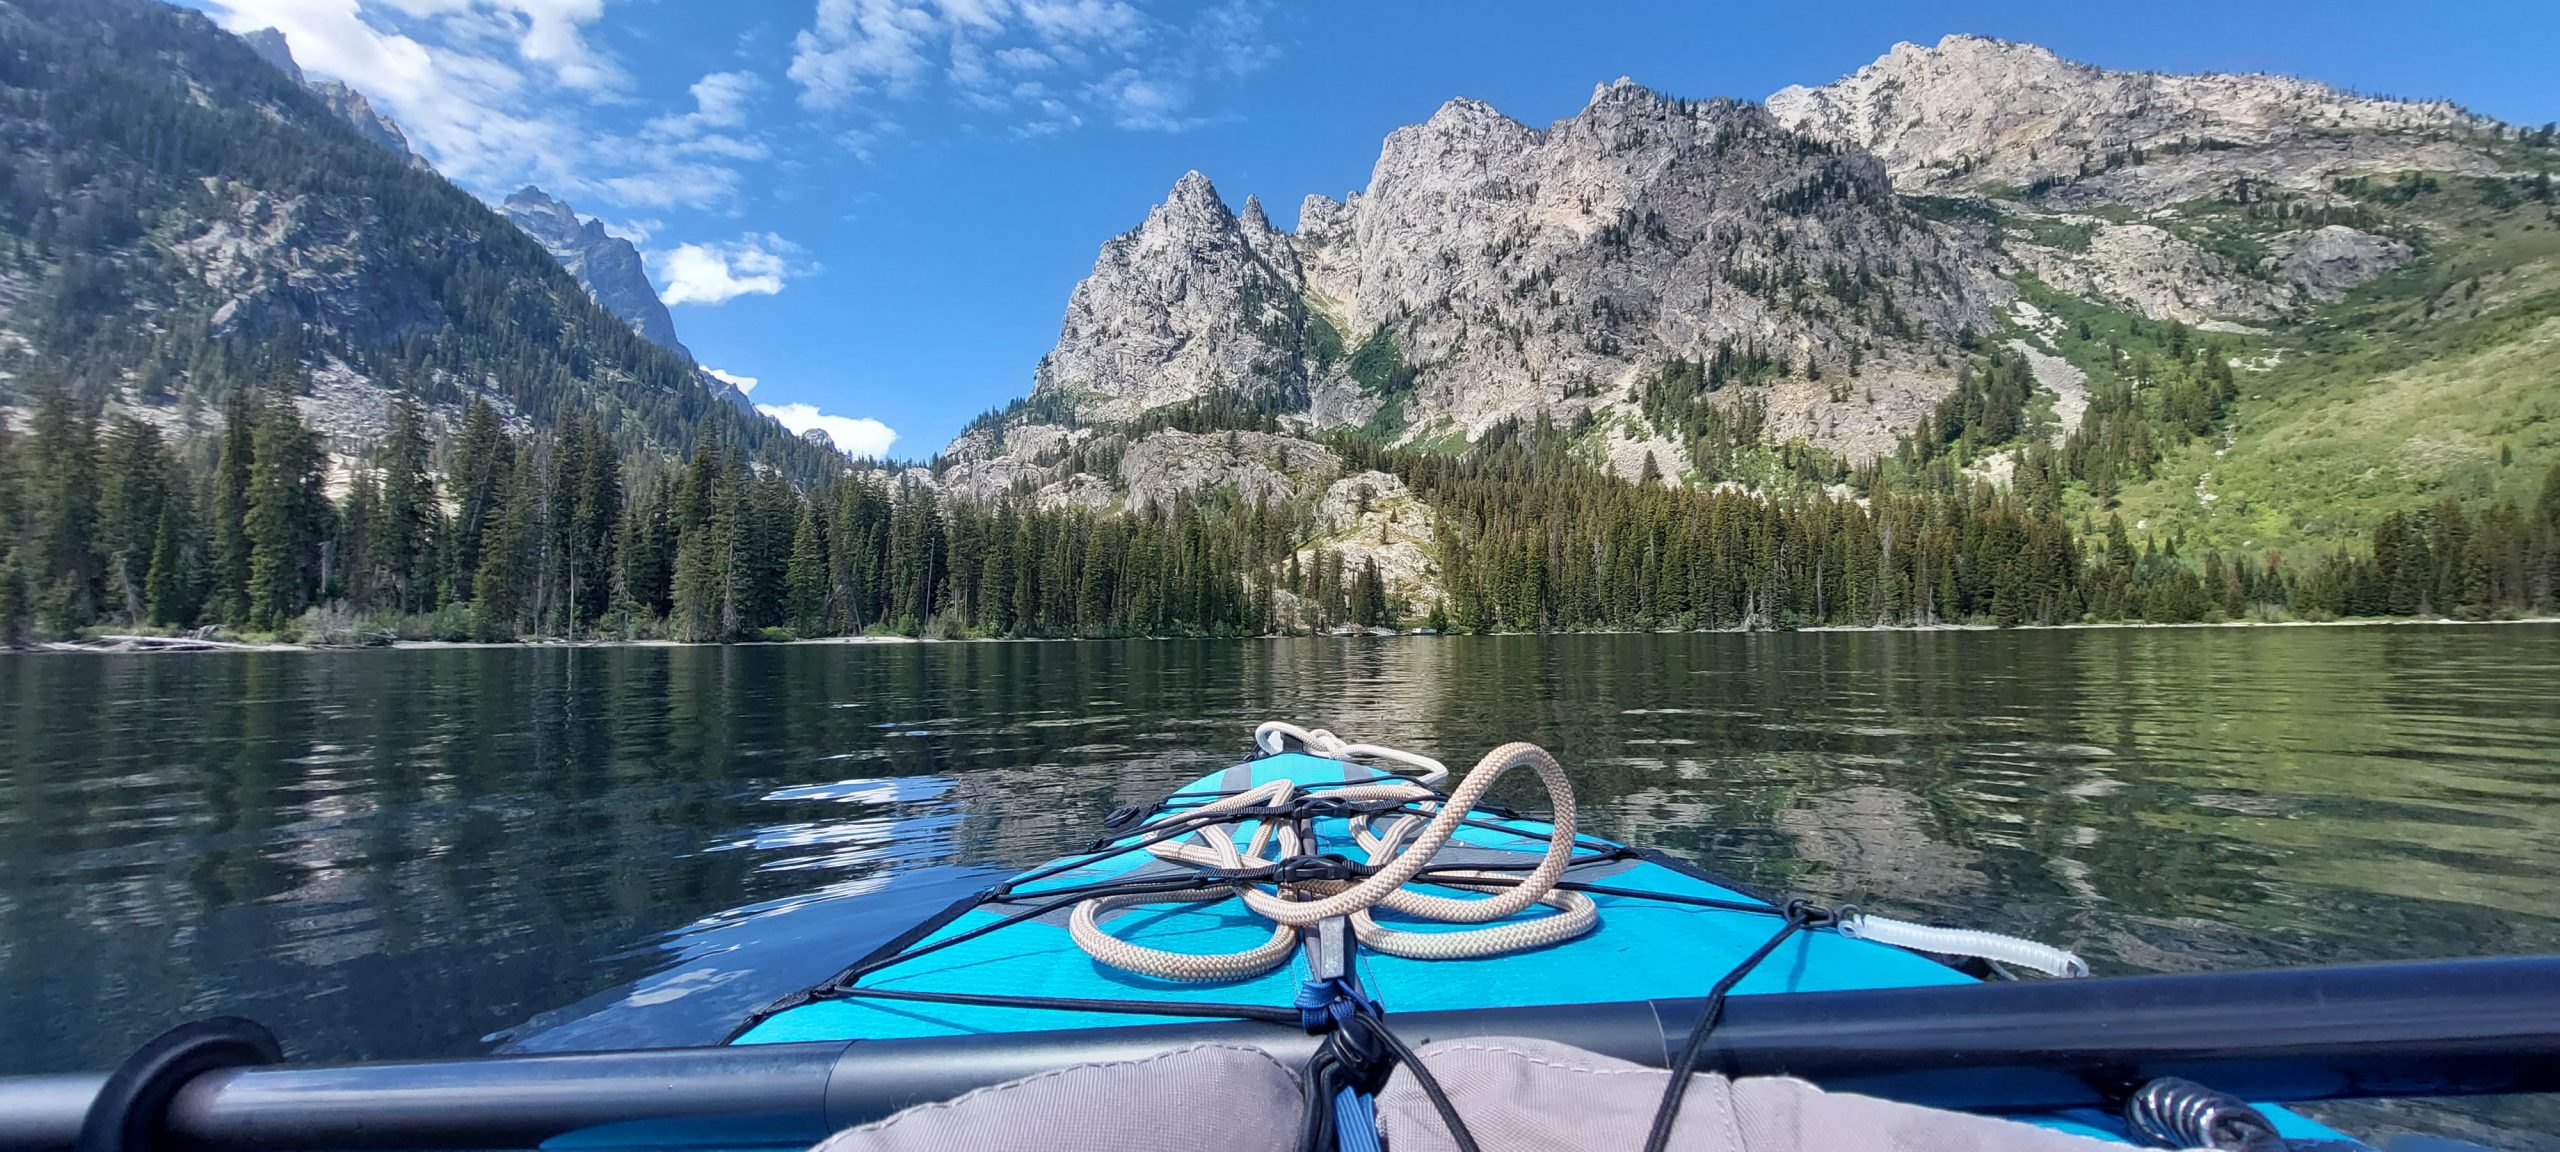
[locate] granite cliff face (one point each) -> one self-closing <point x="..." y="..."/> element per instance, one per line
<point x="1194" y="300"/>
<point x="1973" y="113"/>
<point x="607" y="264"/>
<point x="1492" y="271"/>
<point x="349" y="104"/>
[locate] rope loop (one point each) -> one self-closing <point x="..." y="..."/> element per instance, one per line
<point x="1309" y="887"/>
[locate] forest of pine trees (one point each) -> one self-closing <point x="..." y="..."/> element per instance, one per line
<point x="106" y="527"/>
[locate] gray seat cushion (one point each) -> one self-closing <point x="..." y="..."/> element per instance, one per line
<point x="1515" y="1095"/>
<point x="1520" y="1094"/>
<point x="1208" y="1098"/>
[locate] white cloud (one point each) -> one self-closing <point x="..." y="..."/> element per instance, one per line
<point x="859" y="46"/>
<point x="719" y="101"/>
<point x="637" y="230"/>
<point x="756" y="264"/>
<point x="500" y="93"/>
<point x="1109" y="21"/>
<point x="744" y="384"/>
<point x="853" y="435"/>
<point x="1144" y="103"/>
<point x="1112" y="61"/>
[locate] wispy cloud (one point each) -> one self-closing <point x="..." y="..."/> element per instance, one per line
<point x="852" y="435"/>
<point x="1048" y="65"/>
<point x="744" y="384"/>
<point x="500" y="93"/>
<point x="1143" y="103"/>
<point x="756" y="264"/>
<point x="719" y="101"/>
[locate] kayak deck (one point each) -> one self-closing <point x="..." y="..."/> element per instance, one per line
<point x="1642" y="948"/>
<point x="1014" y="943"/>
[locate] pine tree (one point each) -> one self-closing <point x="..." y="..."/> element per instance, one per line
<point x="503" y="590"/>
<point x="808" y="576"/>
<point x="287" y="518"/>
<point x="1369" y="596"/>
<point x="401" y="544"/>
<point x="138" y="481"/>
<point x="61" y="485"/>
<point x="695" y="614"/>
<point x="227" y="572"/>
<point x="483" y="464"/>
<point x="175" y="594"/>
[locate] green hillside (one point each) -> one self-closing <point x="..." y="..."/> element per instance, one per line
<point x="2439" y="380"/>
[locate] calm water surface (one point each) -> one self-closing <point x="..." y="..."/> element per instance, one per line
<point x="386" y="854"/>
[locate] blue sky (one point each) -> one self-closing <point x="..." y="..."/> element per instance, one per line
<point x="877" y="208"/>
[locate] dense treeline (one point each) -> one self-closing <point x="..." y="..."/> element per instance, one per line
<point x="559" y="535"/>
<point x="107" y="525"/>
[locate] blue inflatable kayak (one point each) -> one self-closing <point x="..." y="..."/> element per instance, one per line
<point x="1007" y="962"/>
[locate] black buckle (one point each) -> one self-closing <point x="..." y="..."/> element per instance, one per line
<point x="1303" y="868"/>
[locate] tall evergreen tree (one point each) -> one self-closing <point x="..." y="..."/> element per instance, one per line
<point x="61" y="481"/>
<point x="228" y="570"/>
<point x="505" y="591"/>
<point x="808" y="575"/>
<point x="483" y="463"/>
<point x="139" y="479"/>
<point x="287" y="518"/>
<point x="401" y="543"/>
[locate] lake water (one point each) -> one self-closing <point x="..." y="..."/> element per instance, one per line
<point x="405" y="853"/>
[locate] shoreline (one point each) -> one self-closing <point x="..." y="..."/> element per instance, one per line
<point x="138" y="644"/>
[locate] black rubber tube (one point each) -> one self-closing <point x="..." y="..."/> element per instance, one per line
<point x="2457" y="1027"/>
<point x="127" y="1113"/>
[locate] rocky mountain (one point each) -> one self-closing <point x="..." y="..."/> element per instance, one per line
<point x="1708" y="290"/>
<point x="607" y="264"/>
<point x="283" y="244"/>
<point x="1977" y="115"/>
<point x="1492" y="271"/>
<point x="348" y="103"/>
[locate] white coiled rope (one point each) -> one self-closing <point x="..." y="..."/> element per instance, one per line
<point x="1400" y="853"/>
<point x="1396" y="861"/>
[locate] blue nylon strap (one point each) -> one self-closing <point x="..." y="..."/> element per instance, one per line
<point x="1324" y="1005"/>
<point x="1355" y="1122"/>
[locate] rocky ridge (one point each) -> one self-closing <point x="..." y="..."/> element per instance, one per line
<point x="1972" y="114"/>
<point x="349" y="104"/>
<point x="1492" y="271"/>
<point x="607" y="264"/>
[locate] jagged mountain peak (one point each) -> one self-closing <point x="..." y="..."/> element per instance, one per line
<point x="1194" y="193"/>
<point x="1462" y="118"/>
<point x="1491" y="270"/>
<point x="271" y="45"/>
<point x="608" y="265"/>
<point x="1624" y="87"/>
<point x="532" y="203"/>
